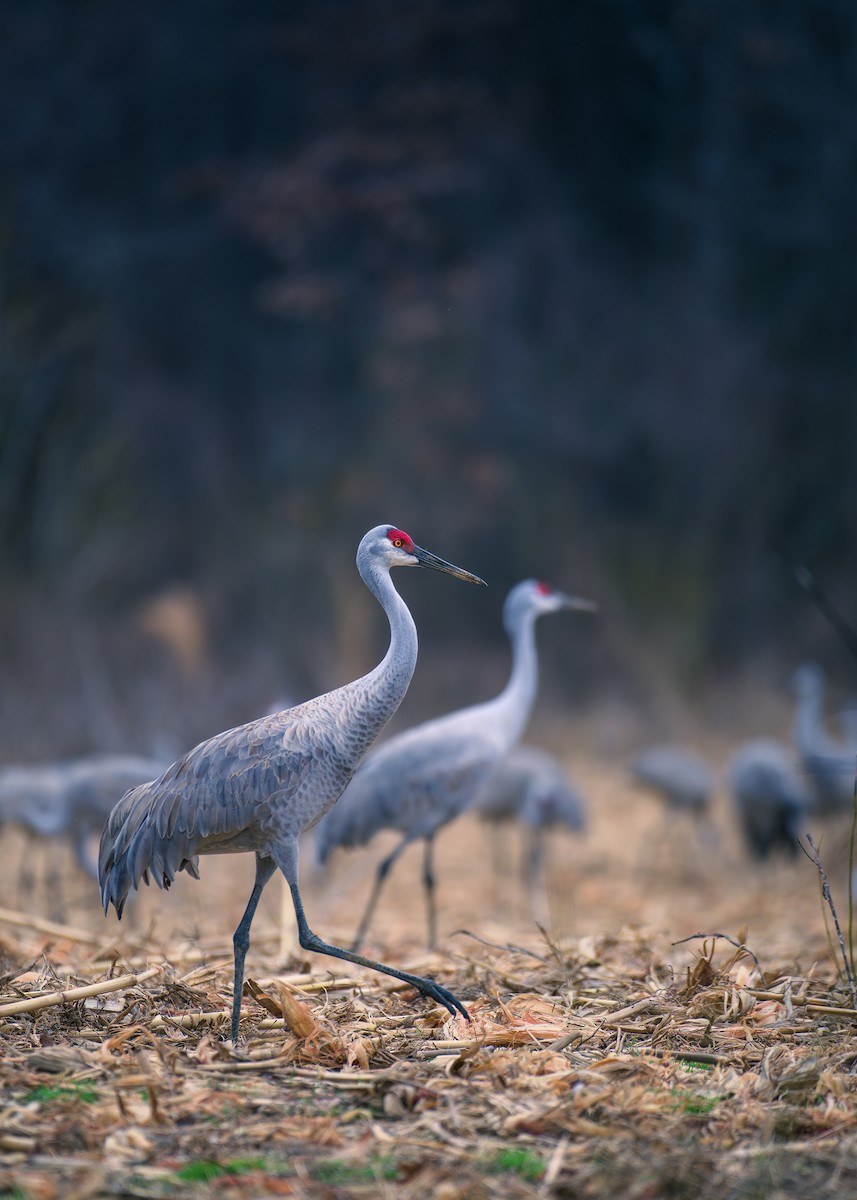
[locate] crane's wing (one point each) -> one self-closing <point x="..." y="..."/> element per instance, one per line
<point x="220" y="797"/>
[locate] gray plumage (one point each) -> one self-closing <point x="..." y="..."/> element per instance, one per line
<point x="259" y="786"/>
<point x="827" y="763"/>
<point x="421" y="779"/>
<point x="530" y="786"/>
<point x="680" y="778"/>
<point x="770" y="799"/>
<point x="71" y="799"/>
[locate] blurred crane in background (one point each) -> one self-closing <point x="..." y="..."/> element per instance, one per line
<point x="683" y="782"/>
<point x="258" y="787"/>
<point x="529" y="787"/>
<point x="680" y="778"/>
<point x="423" y="778"/>
<point x="770" y="800"/>
<point x="68" y="801"/>
<point x="828" y="764"/>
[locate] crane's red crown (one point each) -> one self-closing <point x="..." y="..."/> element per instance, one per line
<point x="543" y="589"/>
<point x="401" y="540"/>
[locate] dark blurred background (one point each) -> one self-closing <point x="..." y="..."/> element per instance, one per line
<point x="563" y="289"/>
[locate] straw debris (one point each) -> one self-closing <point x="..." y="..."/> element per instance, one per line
<point x="619" y="1065"/>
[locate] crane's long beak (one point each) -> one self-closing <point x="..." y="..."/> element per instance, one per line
<point x="579" y="603"/>
<point x="426" y="559"/>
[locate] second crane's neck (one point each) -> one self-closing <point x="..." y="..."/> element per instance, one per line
<point x="511" y="710"/>
<point x="377" y="695"/>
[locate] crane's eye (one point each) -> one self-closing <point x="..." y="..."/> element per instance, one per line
<point x="398" y="543"/>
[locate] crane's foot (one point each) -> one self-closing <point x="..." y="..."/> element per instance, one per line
<point x="440" y="995"/>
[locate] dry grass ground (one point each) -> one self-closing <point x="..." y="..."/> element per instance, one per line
<point x="602" y="1060"/>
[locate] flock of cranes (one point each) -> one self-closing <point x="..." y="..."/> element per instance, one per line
<point x="257" y="788"/>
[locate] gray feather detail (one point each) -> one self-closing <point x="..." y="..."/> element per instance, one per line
<point x="530" y="786"/>
<point x="226" y="794"/>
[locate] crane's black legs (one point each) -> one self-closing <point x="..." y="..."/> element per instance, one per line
<point x="384" y="868"/>
<point x="429" y="885"/>
<point x="533" y="860"/>
<point x="535" y="876"/>
<point x="428" y="987"/>
<point x="265" y="868"/>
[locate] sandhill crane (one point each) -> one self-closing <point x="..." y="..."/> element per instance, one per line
<point x="828" y="764"/>
<point x="683" y="782"/>
<point x="529" y="786"/>
<point x="259" y="786"/>
<point x="680" y="778"/>
<point x="421" y="779"/>
<point x="70" y="799"/>
<point x="770" y="799"/>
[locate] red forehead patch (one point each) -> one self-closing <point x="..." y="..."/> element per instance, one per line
<point x="399" y="535"/>
<point x="543" y="589"/>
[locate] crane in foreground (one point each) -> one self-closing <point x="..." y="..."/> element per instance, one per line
<point x="770" y="800"/>
<point x="259" y="786"/>
<point x="530" y="787"/>
<point x="423" y="778"/>
<point x="70" y="800"/>
<point x="827" y="763"/>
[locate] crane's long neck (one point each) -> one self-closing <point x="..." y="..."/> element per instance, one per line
<point x="377" y="695"/>
<point x="511" y="710"/>
<point x="810" y="735"/>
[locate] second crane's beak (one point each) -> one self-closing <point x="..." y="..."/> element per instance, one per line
<point x="578" y="603"/>
<point x="426" y="559"/>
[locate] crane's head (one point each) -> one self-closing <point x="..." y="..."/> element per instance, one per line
<point x="396" y="548"/>
<point x="532" y="598"/>
<point x="808" y="680"/>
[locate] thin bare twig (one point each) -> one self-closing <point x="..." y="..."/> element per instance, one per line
<point x="496" y="945"/>
<point x="826" y="893"/>
<point x="727" y="937"/>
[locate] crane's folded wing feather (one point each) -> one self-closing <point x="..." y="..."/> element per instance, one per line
<point x="222" y="796"/>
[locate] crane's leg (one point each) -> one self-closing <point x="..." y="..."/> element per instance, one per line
<point x="383" y="870"/>
<point x="499" y="861"/>
<point x="26" y="873"/>
<point x="533" y="860"/>
<point x="287" y="863"/>
<point x="265" y="868"/>
<point x="82" y="852"/>
<point x="286" y="857"/>
<point x="535" y="876"/>
<point x="54" y="865"/>
<point x="429" y="885"/>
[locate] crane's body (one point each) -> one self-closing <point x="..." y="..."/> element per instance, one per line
<point x="420" y="780"/>
<point x="770" y="799"/>
<point x="679" y="777"/>
<point x="528" y="786"/>
<point x="258" y="787"/>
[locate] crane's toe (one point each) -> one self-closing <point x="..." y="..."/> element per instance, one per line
<point x="428" y="987"/>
